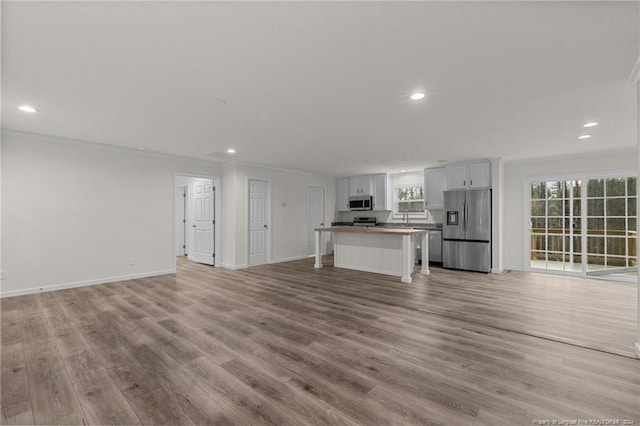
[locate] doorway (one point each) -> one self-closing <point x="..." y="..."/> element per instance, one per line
<point x="259" y="232"/>
<point x="196" y="230"/>
<point x="315" y="216"/>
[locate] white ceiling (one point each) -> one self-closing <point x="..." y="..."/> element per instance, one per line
<point x="324" y="86"/>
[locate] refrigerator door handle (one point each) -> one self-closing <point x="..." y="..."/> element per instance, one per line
<point x="464" y="215"/>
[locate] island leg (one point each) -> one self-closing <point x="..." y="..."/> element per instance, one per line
<point x="425" y="254"/>
<point x="407" y="267"/>
<point x="318" y="263"/>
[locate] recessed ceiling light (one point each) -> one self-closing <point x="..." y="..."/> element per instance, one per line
<point x="590" y="124"/>
<point x="584" y="137"/>
<point x="27" y="108"/>
<point x="402" y="171"/>
<point x="231" y="151"/>
<point x="417" y="96"/>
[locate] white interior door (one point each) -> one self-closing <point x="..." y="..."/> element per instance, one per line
<point x="315" y="215"/>
<point x="258" y="226"/>
<point x="203" y="226"/>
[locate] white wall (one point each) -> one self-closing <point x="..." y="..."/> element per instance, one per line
<point x="75" y="213"/>
<point x="516" y="171"/>
<point x="288" y="210"/>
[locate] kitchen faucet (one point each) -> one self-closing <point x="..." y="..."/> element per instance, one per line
<point x="406" y="212"/>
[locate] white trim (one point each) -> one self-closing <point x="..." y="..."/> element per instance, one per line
<point x="70" y="141"/>
<point x="234" y="267"/>
<point x="324" y="211"/>
<point x="634" y="77"/>
<point x="497" y="270"/>
<point x="512" y="268"/>
<point x="636" y="349"/>
<point x="526" y="219"/>
<point x="289" y="259"/>
<point x="108" y="280"/>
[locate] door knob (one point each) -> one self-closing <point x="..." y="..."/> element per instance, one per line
<point x="266" y="226"/>
<point x="322" y="224"/>
<point x="193" y="226"/>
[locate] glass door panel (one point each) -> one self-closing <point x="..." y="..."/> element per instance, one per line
<point x="611" y="226"/>
<point x="554" y="225"/>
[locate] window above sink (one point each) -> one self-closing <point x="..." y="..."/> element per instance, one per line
<point x="408" y="199"/>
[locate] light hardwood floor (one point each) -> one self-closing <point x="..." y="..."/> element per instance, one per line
<point x="287" y="344"/>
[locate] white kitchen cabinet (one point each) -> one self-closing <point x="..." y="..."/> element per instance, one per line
<point x="380" y="184"/>
<point x="360" y="185"/>
<point x="456" y="177"/>
<point x="343" y="195"/>
<point x="469" y="175"/>
<point x="435" y="181"/>
<point x="480" y="175"/>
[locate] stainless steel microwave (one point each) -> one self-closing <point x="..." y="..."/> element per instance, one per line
<point x="361" y="202"/>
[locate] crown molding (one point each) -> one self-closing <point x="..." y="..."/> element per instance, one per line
<point x="70" y="141"/>
<point x="632" y="150"/>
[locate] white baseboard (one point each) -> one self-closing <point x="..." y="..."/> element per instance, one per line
<point x="497" y="270"/>
<point x="234" y="267"/>
<point x="636" y="349"/>
<point x="289" y="259"/>
<point x="54" y="287"/>
<point x="511" y="268"/>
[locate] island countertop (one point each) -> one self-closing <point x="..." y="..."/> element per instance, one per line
<point x="373" y="230"/>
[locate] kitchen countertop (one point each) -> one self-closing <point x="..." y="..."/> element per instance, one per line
<point x="373" y="230"/>
<point x="397" y="225"/>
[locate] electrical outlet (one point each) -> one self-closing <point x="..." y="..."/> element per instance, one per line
<point x="3" y="274"/>
<point x="132" y="261"/>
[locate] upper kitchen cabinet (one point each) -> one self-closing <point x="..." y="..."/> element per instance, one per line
<point x="343" y="195"/>
<point x="380" y="184"/>
<point x="376" y="186"/>
<point x="360" y="185"/>
<point x="469" y="175"/>
<point x="435" y="181"/>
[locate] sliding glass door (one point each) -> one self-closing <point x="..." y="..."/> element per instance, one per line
<point x="583" y="225"/>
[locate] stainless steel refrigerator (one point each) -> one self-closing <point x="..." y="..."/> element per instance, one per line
<point x="466" y="230"/>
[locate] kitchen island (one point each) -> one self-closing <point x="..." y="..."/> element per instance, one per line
<point x="375" y="249"/>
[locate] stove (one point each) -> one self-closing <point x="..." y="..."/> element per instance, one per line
<point x="365" y="221"/>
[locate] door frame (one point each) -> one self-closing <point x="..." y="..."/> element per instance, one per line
<point x="185" y="189"/>
<point x="217" y="227"/>
<point x="324" y="218"/>
<point x="267" y="218"/>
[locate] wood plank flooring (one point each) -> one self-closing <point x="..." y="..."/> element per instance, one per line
<point x="286" y="344"/>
